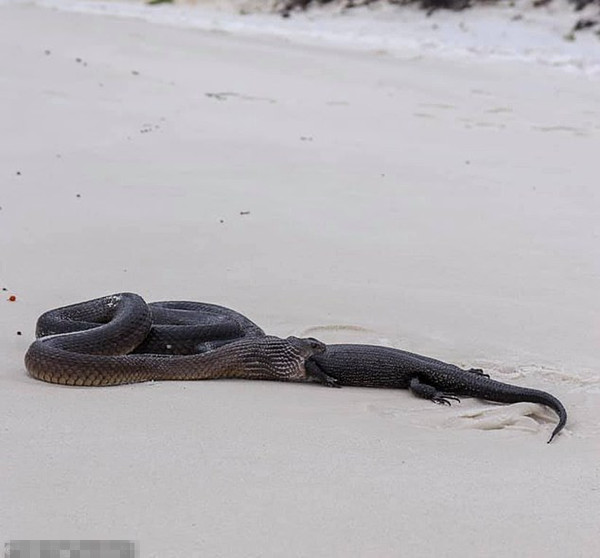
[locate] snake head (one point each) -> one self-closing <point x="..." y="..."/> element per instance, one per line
<point x="308" y="346"/>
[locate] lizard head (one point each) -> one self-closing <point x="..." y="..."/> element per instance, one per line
<point x="308" y="346"/>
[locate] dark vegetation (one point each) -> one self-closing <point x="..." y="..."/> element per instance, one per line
<point x="287" y="7"/>
<point x="429" y="5"/>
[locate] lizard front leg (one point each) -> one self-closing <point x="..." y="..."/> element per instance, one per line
<point x="313" y="370"/>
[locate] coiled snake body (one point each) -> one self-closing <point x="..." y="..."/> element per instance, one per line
<point x="120" y="339"/>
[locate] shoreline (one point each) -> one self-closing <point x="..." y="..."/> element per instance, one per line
<point x="495" y="33"/>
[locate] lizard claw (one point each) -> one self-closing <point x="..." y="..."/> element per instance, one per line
<point x="478" y="371"/>
<point x="444" y="399"/>
<point x="331" y="382"/>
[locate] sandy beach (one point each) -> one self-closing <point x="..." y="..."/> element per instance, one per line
<point x="443" y="205"/>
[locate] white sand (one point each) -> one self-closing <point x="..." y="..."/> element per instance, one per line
<point x="445" y="206"/>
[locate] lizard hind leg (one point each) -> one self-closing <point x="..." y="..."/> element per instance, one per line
<point x="425" y="391"/>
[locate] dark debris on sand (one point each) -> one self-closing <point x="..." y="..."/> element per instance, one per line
<point x="287" y="7"/>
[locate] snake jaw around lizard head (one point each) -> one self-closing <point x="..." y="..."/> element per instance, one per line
<point x="308" y="346"/>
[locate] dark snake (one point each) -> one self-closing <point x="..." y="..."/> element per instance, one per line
<point x="119" y="339"/>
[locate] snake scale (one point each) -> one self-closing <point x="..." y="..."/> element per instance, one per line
<point x="120" y="339"/>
